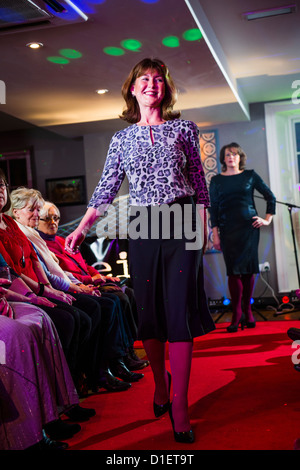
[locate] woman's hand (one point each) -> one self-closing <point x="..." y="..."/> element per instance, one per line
<point x="37" y="300"/>
<point x="259" y="221"/>
<point x="5" y="282"/>
<point x="55" y="294"/>
<point x="73" y="241"/>
<point x="90" y="289"/>
<point x="5" y="309"/>
<point x="216" y="239"/>
<point x="98" y="279"/>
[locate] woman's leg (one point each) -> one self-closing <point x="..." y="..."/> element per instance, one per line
<point x="180" y="359"/>
<point x="156" y="352"/>
<point x="235" y="286"/>
<point x="248" y="284"/>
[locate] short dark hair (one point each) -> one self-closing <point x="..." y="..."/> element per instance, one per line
<point x="8" y="203"/>
<point x="240" y="151"/>
<point x="131" y="113"/>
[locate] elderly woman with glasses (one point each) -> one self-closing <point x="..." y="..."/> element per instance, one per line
<point x="109" y="337"/>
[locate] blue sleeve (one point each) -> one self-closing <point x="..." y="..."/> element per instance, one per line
<point x="55" y="281"/>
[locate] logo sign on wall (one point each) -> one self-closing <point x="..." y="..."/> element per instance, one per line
<point x="209" y="157"/>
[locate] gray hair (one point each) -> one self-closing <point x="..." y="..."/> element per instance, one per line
<point x="21" y="197"/>
<point x="45" y="209"/>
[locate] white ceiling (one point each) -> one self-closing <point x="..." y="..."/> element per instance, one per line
<point x="236" y="63"/>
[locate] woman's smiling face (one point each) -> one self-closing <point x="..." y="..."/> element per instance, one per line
<point x="149" y="89"/>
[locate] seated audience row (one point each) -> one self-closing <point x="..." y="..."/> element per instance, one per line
<point x="94" y="319"/>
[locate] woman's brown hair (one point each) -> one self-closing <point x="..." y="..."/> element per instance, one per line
<point x="131" y="113"/>
<point x="240" y="151"/>
<point x="8" y="203"/>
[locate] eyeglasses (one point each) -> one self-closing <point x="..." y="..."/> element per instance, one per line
<point x="48" y="219"/>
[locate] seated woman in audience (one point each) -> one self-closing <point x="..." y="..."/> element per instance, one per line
<point x="35" y="382"/>
<point x="108" y="342"/>
<point x="72" y="324"/>
<point x="19" y="292"/>
<point x="75" y="263"/>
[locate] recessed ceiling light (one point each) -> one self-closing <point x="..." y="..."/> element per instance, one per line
<point x="102" y="91"/>
<point x="35" y="45"/>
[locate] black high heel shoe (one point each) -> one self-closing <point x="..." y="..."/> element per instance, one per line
<point x="160" y="410"/>
<point x="186" y="437"/>
<point x="234" y="328"/>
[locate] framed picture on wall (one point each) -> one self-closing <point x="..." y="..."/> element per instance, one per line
<point x="66" y="191"/>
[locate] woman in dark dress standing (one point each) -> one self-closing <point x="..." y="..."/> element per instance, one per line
<point x="160" y="156"/>
<point x="235" y="225"/>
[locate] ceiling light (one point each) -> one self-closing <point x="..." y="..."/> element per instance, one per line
<point x="102" y="91"/>
<point x="283" y="10"/>
<point x="35" y="45"/>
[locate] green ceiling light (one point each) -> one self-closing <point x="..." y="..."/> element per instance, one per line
<point x="131" y="44"/>
<point x="115" y="51"/>
<point x="192" y="35"/>
<point x="171" y="41"/>
<point x="58" y="60"/>
<point x="70" y="53"/>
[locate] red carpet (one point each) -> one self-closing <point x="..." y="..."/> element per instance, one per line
<point x="244" y="395"/>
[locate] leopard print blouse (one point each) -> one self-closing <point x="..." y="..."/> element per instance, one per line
<point x="162" y="163"/>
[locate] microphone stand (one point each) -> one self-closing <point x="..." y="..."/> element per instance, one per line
<point x="290" y="207"/>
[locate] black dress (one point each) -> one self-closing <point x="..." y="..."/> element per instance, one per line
<point x="232" y="211"/>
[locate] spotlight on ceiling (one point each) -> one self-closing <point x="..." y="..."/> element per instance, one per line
<point x="276" y="11"/>
<point x="35" y="45"/>
<point x="102" y="91"/>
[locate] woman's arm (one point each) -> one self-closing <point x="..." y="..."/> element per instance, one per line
<point x="46" y="291"/>
<point x="268" y="195"/>
<point x="216" y="238"/>
<point x="76" y="238"/>
<point x="259" y="221"/>
<point x="19" y="291"/>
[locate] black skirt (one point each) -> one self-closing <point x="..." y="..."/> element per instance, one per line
<point x="166" y="269"/>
